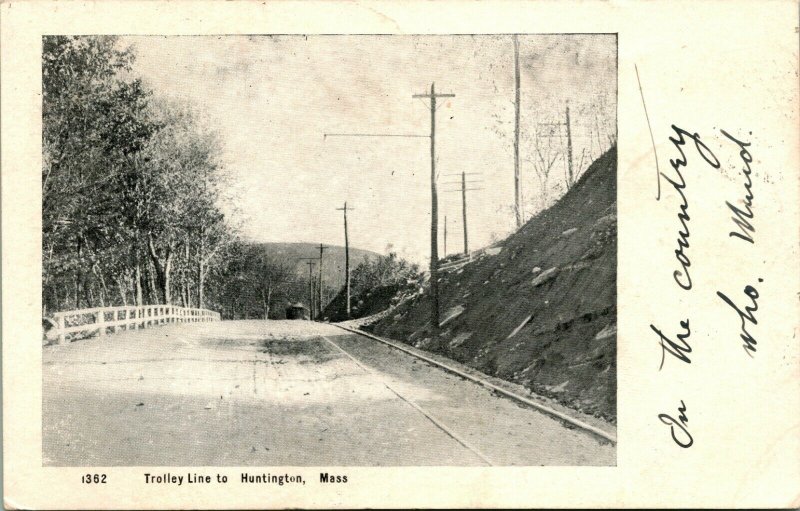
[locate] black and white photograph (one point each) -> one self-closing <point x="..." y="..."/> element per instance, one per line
<point x="400" y="255"/>
<point x="329" y="250"/>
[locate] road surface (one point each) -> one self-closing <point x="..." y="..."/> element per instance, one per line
<point x="281" y="393"/>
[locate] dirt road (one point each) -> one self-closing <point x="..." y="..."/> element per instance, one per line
<point x="291" y="393"/>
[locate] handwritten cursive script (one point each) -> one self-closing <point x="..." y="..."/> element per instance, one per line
<point x="683" y="438"/>
<point x="746" y="316"/>
<point x="677" y="349"/>
<point x="682" y="277"/>
<point x="742" y="217"/>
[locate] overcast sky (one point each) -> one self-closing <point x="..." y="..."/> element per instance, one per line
<point x="271" y="98"/>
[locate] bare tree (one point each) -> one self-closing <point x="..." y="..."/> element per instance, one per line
<point x="274" y="274"/>
<point x="542" y="155"/>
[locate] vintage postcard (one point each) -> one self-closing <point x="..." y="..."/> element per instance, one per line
<point x="389" y="254"/>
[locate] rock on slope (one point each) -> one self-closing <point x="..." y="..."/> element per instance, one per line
<point x="542" y="312"/>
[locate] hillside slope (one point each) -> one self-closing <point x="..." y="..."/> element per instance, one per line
<point x="542" y="312"/>
<point x="363" y="305"/>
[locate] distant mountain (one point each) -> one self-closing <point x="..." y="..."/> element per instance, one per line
<point x="333" y="261"/>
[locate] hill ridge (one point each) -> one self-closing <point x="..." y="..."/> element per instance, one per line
<point x="542" y="311"/>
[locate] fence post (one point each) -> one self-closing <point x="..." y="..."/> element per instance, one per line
<point x="100" y="319"/>
<point x="115" y="318"/>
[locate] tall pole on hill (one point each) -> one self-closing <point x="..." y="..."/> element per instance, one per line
<point x="321" y="248"/>
<point x="464" y="210"/>
<point x="556" y="127"/>
<point x="434" y="207"/>
<point x="311" y="288"/>
<point x="517" y="209"/>
<point x="346" y="258"/>
<point x="310" y="261"/>
<point x="463" y="189"/>
<point x="569" y="149"/>
<point x="445" y="236"/>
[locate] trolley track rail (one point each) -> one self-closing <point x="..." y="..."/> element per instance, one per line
<point x="595" y="431"/>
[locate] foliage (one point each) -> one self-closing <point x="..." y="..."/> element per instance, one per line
<point x="382" y="272"/>
<point x="130" y="184"/>
<point x="256" y="282"/>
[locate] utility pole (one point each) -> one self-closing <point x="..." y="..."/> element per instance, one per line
<point x="569" y="148"/>
<point x="463" y="189"/>
<point x="445" y="236"/>
<point x="517" y="209"/>
<point x="434" y="207"/>
<point x="310" y="261"/>
<point x="311" y="288"/>
<point x="321" y="248"/>
<point x="346" y="258"/>
<point x="555" y="127"/>
<point x="464" y="210"/>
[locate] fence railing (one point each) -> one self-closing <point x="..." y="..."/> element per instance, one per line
<point x="103" y="319"/>
<point x="456" y="263"/>
<point x="463" y="260"/>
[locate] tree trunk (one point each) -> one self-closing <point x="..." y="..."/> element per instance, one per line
<point x="163" y="268"/>
<point x="78" y="277"/>
<point x="122" y="291"/>
<point x="166" y="287"/>
<point x="152" y="296"/>
<point x="103" y="288"/>
<point x="88" y="295"/>
<point x="76" y="298"/>
<point x="87" y="291"/>
<point x="138" y="277"/>
<point x="201" y="276"/>
<point x="185" y="272"/>
<point x="269" y="300"/>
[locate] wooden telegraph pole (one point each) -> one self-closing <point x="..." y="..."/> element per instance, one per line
<point x="517" y="209"/>
<point x="569" y="148"/>
<point x="464" y="210"/>
<point x="555" y="127"/>
<point x="346" y="258"/>
<point x="434" y="207"/>
<point x="463" y="189"/>
<point x="445" y="236"/>
<point x="310" y="261"/>
<point x="321" y="248"/>
<point x="432" y="96"/>
<point x="312" y="309"/>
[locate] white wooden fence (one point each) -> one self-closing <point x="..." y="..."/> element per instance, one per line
<point x="103" y="319"/>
